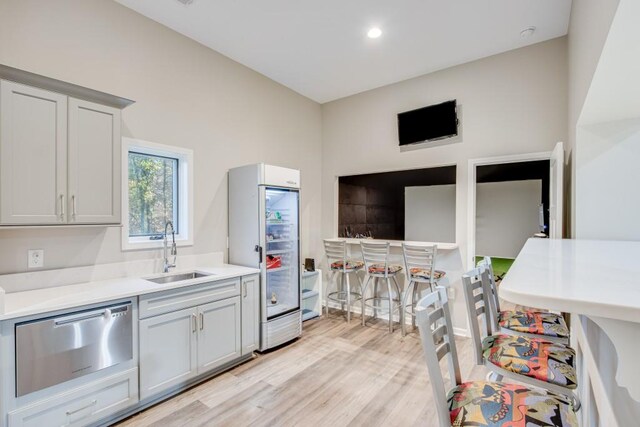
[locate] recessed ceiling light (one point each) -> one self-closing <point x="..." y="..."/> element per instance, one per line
<point x="374" y="33"/>
<point x="527" y="32"/>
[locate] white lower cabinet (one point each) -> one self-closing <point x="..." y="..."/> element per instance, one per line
<point x="218" y="333"/>
<point x="82" y="406"/>
<point x="177" y="346"/>
<point x="250" y="314"/>
<point x="168" y="351"/>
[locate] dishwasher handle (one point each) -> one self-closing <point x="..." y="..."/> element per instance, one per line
<point x="79" y="317"/>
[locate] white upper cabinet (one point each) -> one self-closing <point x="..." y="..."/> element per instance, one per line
<point x="60" y="160"/>
<point x="94" y="163"/>
<point x="33" y="155"/>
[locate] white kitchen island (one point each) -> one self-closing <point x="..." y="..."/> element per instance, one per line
<point x="598" y="282"/>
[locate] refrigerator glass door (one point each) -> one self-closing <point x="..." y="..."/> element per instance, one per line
<point x="282" y="258"/>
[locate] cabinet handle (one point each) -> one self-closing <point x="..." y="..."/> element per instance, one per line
<point x="201" y="321"/>
<point x="244" y="289"/>
<point x="62" y="207"/>
<point x="195" y="323"/>
<point x="73" y="206"/>
<point x="75" y="411"/>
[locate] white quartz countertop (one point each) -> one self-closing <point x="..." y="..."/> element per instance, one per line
<point x="589" y="277"/>
<point x="38" y="301"/>
<point x="398" y="243"/>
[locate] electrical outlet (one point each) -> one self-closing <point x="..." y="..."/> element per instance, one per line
<point x="451" y="293"/>
<point x="35" y="258"/>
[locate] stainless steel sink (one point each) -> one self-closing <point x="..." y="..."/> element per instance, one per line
<point x="178" y="277"/>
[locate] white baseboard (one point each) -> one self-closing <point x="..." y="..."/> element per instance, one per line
<point x="356" y="309"/>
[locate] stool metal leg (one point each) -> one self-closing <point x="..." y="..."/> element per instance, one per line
<point x="390" y="305"/>
<point x="348" y="298"/>
<point x="414" y="300"/>
<point x="375" y="295"/>
<point x="366" y="286"/>
<point x="341" y="288"/>
<point x="410" y="290"/>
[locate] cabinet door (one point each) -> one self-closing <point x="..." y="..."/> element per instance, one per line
<point x="168" y="351"/>
<point x="218" y="333"/>
<point x="94" y="163"/>
<point x="33" y="155"/>
<point x="250" y="314"/>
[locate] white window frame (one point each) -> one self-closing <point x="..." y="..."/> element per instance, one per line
<point x="185" y="192"/>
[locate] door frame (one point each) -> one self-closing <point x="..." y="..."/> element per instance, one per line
<point x="471" y="192"/>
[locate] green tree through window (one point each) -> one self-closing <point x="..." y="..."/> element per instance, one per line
<point x="153" y="195"/>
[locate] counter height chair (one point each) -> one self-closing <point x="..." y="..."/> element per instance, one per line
<point x="419" y="263"/>
<point x="377" y="266"/>
<point x="527" y="323"/>
<point x="479" y="403"/>
<point x="341" y="266"/>
<point x="533" y="361"/>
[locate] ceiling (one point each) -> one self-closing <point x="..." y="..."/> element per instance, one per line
<point x="321" y="50"/>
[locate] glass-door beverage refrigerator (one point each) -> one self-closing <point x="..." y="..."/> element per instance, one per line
<point x="264" y="233"/>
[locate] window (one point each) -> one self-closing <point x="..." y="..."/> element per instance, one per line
<point x="157" y="187"/>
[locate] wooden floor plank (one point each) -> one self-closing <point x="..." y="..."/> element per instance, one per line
<point x="337" y="374"/>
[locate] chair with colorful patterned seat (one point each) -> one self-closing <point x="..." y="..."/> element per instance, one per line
<point x="377" y="266"/>
<point x="533" y="361"/>
<point x="419" y="263"/>
<point x="479" y="403"/>
<point x="340" y="265"/>
<point x="528" y="323"/>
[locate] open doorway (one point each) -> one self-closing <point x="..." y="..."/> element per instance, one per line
<point x="512" y="205"/>
<point x="523" y="188"/>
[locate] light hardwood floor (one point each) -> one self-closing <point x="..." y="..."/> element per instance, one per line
<point x="335" y="375"/>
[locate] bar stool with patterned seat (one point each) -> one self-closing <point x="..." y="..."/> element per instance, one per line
<point x="419" y="261"/>
<point x="336" y="252"/>
<point x="527" y="323"/>
<point x="376" y="260"/>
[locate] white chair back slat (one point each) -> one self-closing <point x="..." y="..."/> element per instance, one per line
<point x="420" y="257"/>
<point x="433" y="318"/>
<point x="474" y="284"/>
<point x="335" y="251"/>
<point x="375" y="254"/>
<point x="492" y="294"/>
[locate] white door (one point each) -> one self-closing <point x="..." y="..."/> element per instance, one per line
<point x="218" y="333"/>
<point x="94" y="163"/>
<point x="556" y="190"/>
<point x="33" y="155"/>
<point x="250" y="314"/>
<point x="168" y="351"/>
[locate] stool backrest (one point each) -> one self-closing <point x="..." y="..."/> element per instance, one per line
<point x="336" y="251"/>
<point x="494" y="300"/>
<point x="375" y="254"/>
<point x="433" y="318"/>
<point x="474" y="285"/>
<point x="421" y="257"/>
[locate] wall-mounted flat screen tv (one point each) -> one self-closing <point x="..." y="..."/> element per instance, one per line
<point x="428" y="124"/>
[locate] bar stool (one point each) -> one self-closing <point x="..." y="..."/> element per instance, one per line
<point x="419" y="262"/>
<point x="480" y="403"/>
<point x="376" y="260"/>
<point x="533" y="361"/>
<point x="528" y="323"/>
<point x="336" y="252"/>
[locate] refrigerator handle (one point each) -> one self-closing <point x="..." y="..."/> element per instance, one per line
<point x="258" y="249"/>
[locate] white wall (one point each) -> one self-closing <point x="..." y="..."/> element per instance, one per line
<point x="430" y="213"/>
<point x="507" y="214"/>
<point x="588" y="29"/>
<point x="186" y="95"/>
<point x="510" y="103"/>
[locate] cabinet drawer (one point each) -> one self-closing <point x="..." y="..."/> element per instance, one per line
<point x="172" y="300"/>
<point x="82" y="406"/>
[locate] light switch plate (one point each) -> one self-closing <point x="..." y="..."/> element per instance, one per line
<point x="451" y="293"/>
<point x="35" y="258"/>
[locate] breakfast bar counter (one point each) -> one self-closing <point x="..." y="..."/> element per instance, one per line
<point x="598" y="282"/>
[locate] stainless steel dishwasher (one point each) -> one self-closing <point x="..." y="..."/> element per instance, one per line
<point x="57" y="349"/>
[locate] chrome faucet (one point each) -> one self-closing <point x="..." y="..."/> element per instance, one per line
<point x="174" y="250"/>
